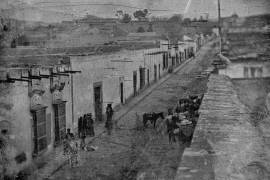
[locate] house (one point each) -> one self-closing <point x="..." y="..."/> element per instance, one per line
<point x="35" y="107"/>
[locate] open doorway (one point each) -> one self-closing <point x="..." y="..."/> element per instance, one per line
<point x="142" y="77"/>
<point x="159" y="71"/>
<point x="148" y="77"/>
<point x="98" y="100"/>
<point x="155" y="72"/>
<point x="134" y="83"/>
<point x="122" y="92"/>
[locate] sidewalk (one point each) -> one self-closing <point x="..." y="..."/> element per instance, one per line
<point x="55" y="160"/>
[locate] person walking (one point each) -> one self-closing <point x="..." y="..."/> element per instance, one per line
<point x="109" y="114"/>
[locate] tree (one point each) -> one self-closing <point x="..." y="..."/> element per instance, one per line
<point x="187" y="21"/>
<point x="119" y="14"/>
<point x="194" y="19"/>
<point x="234" y="15"/>
<point x="126" y="18"/>
<point x="176" y="18"/>
<point x="140" y="30"/>
<point x="141" y="14"/>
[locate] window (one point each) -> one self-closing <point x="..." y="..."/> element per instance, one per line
<point x="39" y="129"/>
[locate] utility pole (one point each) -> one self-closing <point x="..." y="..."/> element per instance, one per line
<point x="219" y="28"/>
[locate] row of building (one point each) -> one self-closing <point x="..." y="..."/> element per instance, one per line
<point x="42" y="95"/>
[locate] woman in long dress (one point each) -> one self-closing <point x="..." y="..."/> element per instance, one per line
<point x="109" y="123"/>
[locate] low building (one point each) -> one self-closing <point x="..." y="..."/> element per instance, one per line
<point x="35" y="107"/>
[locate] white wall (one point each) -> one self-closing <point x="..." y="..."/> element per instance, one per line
<point x="236" y="70"/>
<point x="108" y="69"/>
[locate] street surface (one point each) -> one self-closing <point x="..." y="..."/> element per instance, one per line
<point x="129" y="153"/>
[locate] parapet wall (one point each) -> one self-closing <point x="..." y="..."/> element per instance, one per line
<point x="225" y="144"/>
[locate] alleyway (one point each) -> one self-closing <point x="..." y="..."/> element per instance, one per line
<point x="129" y="153"/>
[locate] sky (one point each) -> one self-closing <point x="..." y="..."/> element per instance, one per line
<point x="45" y="9"/>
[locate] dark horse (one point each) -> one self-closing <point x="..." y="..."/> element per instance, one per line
<point x="152" y="117"/>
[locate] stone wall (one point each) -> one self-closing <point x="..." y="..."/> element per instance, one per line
<point x="225" y="145"/>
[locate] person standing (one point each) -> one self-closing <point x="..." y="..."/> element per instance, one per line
<point x="91" y="125"/>
<point x="109" y="114"/>
<point x="67" y="140"/>
<point x="84" y="125"/>
<point x="80" y="126"/>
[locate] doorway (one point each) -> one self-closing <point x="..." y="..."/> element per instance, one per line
<point x="155" y="72"/>
<point x="98" y="101"/>
<point x="142" y="77"/>
<point x="134" y="83"/>
<point x="60" y="121"/>
<point x="122" y="92"/>
<point x="159" y="71"/>
<point x="148" y="77"/>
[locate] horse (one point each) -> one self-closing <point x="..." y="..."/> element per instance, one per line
<point x="152" y="117"/>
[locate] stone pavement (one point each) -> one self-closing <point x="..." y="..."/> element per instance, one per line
<point x="225" y="144"/>
<point x="55" y="160"/>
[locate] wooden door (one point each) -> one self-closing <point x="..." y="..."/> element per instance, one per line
<point x="122" y="92"/>
<point x="39" y="130"/>
<point x="155" y="72"/>
<point x="60" y="121"/>
<point x="159" y="71"/>
<point x="148" y="77"/>
<point x="142" y="78"/>
<point x="134" y="83"/>
<point x="98" y="101"/>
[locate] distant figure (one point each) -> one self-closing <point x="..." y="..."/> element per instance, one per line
<point x="80" y="126"/>
<point x="69" y="136"/>
<point x="170" y="128"/>
<point x="84" y="124"/>
<point x="90" y="125"/>
<point x="73" y="153"/>
<point x="170" y="111"/>
<point x="109" y="114"/>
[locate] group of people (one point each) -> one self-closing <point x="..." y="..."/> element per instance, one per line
<point x="182" y="120"/>
<point x="85" y="128"/>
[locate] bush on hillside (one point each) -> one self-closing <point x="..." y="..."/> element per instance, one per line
<point x="140" y="30"/>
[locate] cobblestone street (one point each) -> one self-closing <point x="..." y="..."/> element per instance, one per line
<point x="129" y="153"/>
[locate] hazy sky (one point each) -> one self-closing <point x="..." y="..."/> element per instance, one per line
<point x="158" y="7"/>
